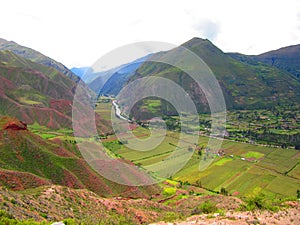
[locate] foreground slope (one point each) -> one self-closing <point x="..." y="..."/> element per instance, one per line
<point x="54" y="203"/>
<point x="29" y="161"/>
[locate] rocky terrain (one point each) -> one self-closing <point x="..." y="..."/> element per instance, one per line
<point x="287" y="216"/>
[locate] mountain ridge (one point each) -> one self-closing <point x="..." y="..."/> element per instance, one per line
<point x="244" y="85"/>
<point x="37" y="57"/>
<point x="285" y="58"/>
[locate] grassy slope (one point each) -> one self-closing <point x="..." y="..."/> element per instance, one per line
<point x="33" y="92"/>
<point x="287" y="59"/>
<point x="37" y="57"/>
<point x="54" y="161"/>
<point x="244" y="86"/>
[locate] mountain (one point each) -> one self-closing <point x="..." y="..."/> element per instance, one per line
<point x="109" y="82"/>
<point x="119" y="78"/>
<point x="244" y="85"/>
<point x="37" y="57"/>
<point x="80" y="71"/>
<point x="287" y="59"/>
<point x="33" y="92"/>
<point x="29" y="161"/>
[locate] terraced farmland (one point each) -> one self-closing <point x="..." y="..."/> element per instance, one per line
<point x="242" y="168"/>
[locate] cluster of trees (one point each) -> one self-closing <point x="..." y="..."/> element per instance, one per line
<point x="284" y="140"/>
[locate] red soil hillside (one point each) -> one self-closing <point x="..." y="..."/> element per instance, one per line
<point x="33" y="93"/>
<point x="29" y="161"/>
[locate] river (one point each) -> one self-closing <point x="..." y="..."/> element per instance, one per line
<point x="118" y="111"/>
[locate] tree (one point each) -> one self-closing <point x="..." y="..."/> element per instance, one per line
<point x="284" y="145"/>
<point x="224" y="191"/>
<point x="198" y="183"/>
<point x="199" y="152"/>
<point x="298" y="194"/>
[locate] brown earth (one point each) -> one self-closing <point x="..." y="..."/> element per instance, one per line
<point x="284" y="217"/>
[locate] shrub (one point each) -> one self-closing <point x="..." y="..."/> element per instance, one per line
<point x="223" y="191"/>
<point x="70" y="222"/>
<point x="171" y="216"/>
<point x="260" y="202"/>
<point x="206" y="207"/>
<point x="169" y="191"/>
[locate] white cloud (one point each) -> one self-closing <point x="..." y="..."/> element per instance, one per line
<point x="77" y="33"/>
<point x="208" y="29"/>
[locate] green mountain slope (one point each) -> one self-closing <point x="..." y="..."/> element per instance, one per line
<point x="33" y="92"/>
<point x="37" y="57"/>
<point x="287" y="59"/>
<point x="244" y="85"/>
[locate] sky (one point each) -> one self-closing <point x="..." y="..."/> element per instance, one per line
<point x="79" y="32"/>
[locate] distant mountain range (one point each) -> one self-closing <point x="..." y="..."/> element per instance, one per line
<point x="80" y="71"/>
<point x="111" y="81"/>
<point x="247" y="82"/>
<point x="287" y="59"/>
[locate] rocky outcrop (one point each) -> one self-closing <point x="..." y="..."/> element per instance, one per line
<point x="15" y="125"/>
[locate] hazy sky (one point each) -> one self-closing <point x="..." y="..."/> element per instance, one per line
<point x="77" y="33"/>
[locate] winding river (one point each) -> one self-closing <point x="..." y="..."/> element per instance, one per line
<point x="118" y="111"/>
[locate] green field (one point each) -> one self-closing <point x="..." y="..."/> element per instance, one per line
<point x="251" y="154"/>
<point x="223" y="161"/>
<point x="243" y="168"/>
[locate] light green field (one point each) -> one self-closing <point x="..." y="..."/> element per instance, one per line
<point x="242" y="176"/>
<point x="222" y="161"/>
<point x="48" y="133"/>
<point x="104" y="110"/>
<point x="238" y="176"/>
<point x="28" y="101"/>
<point x="251" y="154"/>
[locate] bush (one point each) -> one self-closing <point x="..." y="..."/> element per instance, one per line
<point x="171" y="216"/>
<point x="260" y="202"/>
<point x="70" y="222"/>
<point x="4" y="214"/>
<point x="7" y="219"/>
<point x="169" y="191"/>
<point x="224" y="191"/>
<point x="206" y="207"/>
